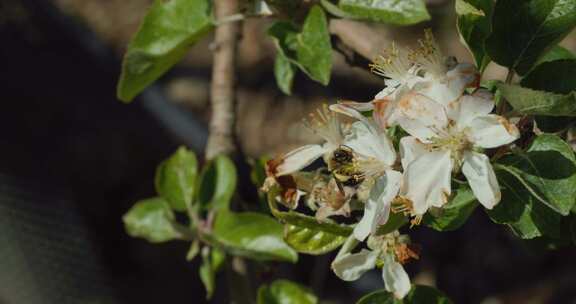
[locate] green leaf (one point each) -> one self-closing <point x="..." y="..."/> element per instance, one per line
<point x="207" y="272"/>
<point x="454" y="214"/>
<point x="311" y="241"/>
<point x="521" y="211"/>
<point x="395" y="221"/>
<point x="419" y="294"/>
<point x="557" y="76"/>
<point x="217" y="183"/>
<point x="310" y="50"/>
<point x="474" y="26"/>
<point x="539" y="187"/>
<point x="252" y="235"/>
<point x="533" y="102"/>
<point x="193" y="251"/>
<point x="556" y="53"/>
<point x="398" y="12"/>
<point x="176" y="179"/>
<point x="166" y="34"/>
<point x="151" y="219"/>
<point x="284" y="72"/>
<point x="523" y="31"/>
<point x="550" y="167"/>
<point x="285" y="292"/>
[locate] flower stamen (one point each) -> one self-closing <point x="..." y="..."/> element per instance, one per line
<point x="428" y="55"/>
<point x="325" y="124"/>
<point x="393" y="63"/>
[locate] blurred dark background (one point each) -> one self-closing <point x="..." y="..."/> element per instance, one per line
<point x="73" y="159"/>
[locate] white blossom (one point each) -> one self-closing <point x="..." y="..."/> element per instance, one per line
<point x="376" y="157"/>
<point x="445" y="140"/>
<point x="424" y="70"/>
<point x="325" y="124"/>
<point x="388" y="250"/>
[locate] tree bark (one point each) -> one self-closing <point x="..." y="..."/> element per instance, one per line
<point x="221" y="139"/>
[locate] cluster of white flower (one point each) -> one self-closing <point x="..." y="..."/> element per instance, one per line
<point x="448" y="122"/>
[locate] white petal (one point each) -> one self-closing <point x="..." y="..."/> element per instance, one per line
<point x="469" y="107"/>
<point x="347" y="110"/>
<point x="377" y="207"/>
<point x="450" y="88"/>
<point x="410" y="149"/>
<point x="421" y="117"/>
<point x="481" y="177"/>
<point x="386" y="92"/>
<point x="298" y="159"/>
<point x="491" y="131"/>
<point x="396" y="280"/>
<point x="427" y="180"/>
<point x="358" y="106"/>
<point x="367" y="141"/>
<point x="349" y="267"/>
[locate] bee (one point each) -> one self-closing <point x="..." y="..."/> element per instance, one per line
<point x="343" y="166"/>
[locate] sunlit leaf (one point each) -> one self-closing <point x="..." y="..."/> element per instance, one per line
<point x="252" y="235"/>
<point x="534" y="102"/>
<point x="168" y="31"/>
<point x="176" y="178"/>
<point x="398" y="12"/>
<point x="309" y="49"/>
<point x="311" y="241"/>
<point x="285" y="292"/>
<point x="152" y="220"/>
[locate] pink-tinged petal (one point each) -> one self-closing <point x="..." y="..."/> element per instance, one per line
<point x="468" y="107"/>
<point x="481" y="177"/>
<point x="377" y="208"/>
<point x="396" y="280"/>
<point x="298" y="159"/>
<point x="421" y="117"/>
<point x="427" y="181"/>
<point x="350" y="267"/>
<point x="491" y="131"/>
<point x="383" y="113"/>
<point x="410" y="149"/>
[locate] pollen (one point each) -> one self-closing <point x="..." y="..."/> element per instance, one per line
<point x="406" y="252"/>
<point x="403" y="205"/>
<point x="393" y="63"/>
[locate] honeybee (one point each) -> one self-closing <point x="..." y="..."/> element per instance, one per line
<point x="342" y="164"/>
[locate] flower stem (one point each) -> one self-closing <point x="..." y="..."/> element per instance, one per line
<point x="503" y="105"/>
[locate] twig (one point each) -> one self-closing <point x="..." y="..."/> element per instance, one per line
<point x="222" y="138"/>
<point x="222" y="91"/>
